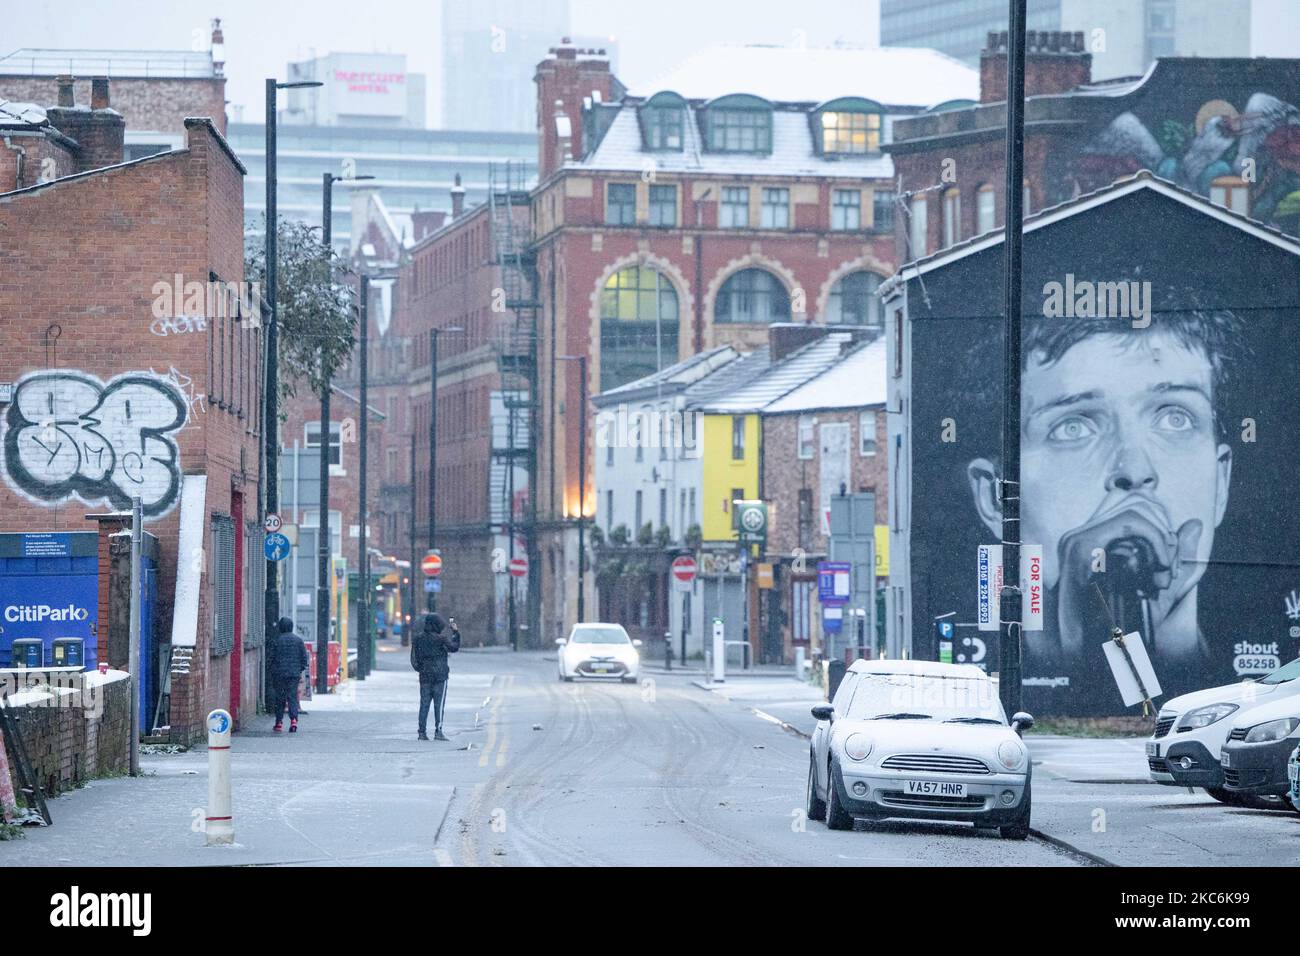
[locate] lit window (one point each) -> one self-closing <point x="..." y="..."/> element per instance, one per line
<point x="985" y="209"/>
<point x="951" y="216"/>
<point x="866" y="434"/>
<point x="850" y="132"/>
<point x="853" y="301"/>
<point x="663" y="205"/>
<point x="1231" y="192"/>
<point x="752" y="295"/>
<point x="735" y="208"/>
<point x="638" y="325"/>
<point x="846" y="209"/>
<point x="807" y="442"/>
<point x="620" y="205"/>
<point x="775" y="212"/>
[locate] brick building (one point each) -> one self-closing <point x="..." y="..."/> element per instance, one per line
<point x="1223" y="128"/>
<point x="136" y="371"/>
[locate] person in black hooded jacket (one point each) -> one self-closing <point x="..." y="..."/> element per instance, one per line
<point x="288" y="660"/>
<point x="429" y="653"/>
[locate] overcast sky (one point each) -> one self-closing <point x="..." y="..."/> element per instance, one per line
<point x="263" y="35"/>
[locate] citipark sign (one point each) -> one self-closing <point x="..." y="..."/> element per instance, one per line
<point x="39" y="613"/>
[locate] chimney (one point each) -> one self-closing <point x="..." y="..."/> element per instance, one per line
<point x="99" y="93"/>
<point x="1055" y="62"/>
<point x="67" y="98"/>
<point x="218" y="48"/>
<point x="457" y="199"/>
<point x="786" y="337"/>
<point x="564" y="79"/>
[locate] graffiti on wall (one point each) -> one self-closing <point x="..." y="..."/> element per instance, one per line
<point x="68" y="434"/>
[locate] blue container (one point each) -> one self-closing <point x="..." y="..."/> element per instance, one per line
<point x="28" y="652"/>
<point x="68" y="652"/>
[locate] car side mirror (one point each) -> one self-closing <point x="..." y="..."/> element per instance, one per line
<point x="560" y="642"/>
<point x="1022" y="722"/>
<point x="824" y="712"/>
<point x="636" y="642"/>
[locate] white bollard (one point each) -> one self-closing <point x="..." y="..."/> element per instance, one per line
<point x="719" y="652"/>
<point x="799" y="663"/>
<point x="219" y="826"/>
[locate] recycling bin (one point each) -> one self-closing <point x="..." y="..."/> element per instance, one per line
<point x="28" y="652"/>
<point x="68" y="652"/>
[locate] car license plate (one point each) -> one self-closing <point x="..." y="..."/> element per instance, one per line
<point x="1153" y="749"/>
<point x="935" y="788"/>
<point x="1224" y="759"/>
<point x="599" y="669"/>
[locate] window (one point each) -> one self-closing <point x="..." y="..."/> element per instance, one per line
<point x="898" y="343"/>
<point x="690" y="515"/>
<point x="663" y="126"/>
<point x="609" y="454"/>
<point x="390" y="464"/>
<point x="752" y="295"/>
<point x="663" y="205"/>
<point x="682" y="510"/>
<point x="850" y="132"/>
<point x="846" y="209"/>
<point x="951" y="216"/>
<point x="985" y="210"/>
<point x="609" y="511"/>
<point x="735" y="208"/>
<point x="775" y="212"/>
<point x="737" y="494"/>
<point x="866" y="434"/>
<point x="853" y="301"/>
<point x="743" y="130"/>
<point x="1027" y="199"/>
<point x="638" y="325"/>
<point x="1231" y="192"/>
<point x="311" y="439"/>
<point x="620" y="204"/>
<point x="637" y="527"/>
<point x="806" y="441"/>
<point x="663" y="507"/>
<point x="917" y="232"/>
<point x="882" y="210"/>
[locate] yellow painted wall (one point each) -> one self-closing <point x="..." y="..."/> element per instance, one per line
<point x="722" y="474"/>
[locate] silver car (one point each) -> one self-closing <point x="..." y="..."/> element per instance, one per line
<point x="920" y="740"/>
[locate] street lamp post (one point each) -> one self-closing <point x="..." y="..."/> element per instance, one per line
<point x="271" y="437"/>
<point x="582" y="482"/>
<point x="431" y="597"/>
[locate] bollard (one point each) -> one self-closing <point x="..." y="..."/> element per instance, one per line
<point x="668" y="651"/>
<point x="219" y="826"/>
<point x="719" y="652"/>
<point x="799" y="663"/>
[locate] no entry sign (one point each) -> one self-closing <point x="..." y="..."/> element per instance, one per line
<point x="683" y="571"/>
<point x="518" y="567"/>
<point x="431" y="565"/>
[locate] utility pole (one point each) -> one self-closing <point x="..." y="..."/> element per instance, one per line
<point x="582" y="481"/>
<point x="1009" y="489"/>
<point x="431" y="597"/>
<point x="415" y="558"/>
<point x="363" y="600"/>
<point x="133" y="653"/>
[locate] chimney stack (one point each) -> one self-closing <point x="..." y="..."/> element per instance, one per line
<point x="786" y="337"/>
<point x="100" y="131"/>
<point x="99" y="93"/>
<point x="567" y="77"/>
<point x="218" y="48"/>
<point x="457" y="199"/>
<point x="67" y="97"/>
<point x="1055" y="62"/>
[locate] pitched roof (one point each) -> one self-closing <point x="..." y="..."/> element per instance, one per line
<point x="676" y="377"/>
<point x="780" y="378"/>
<point x="728" y="379"/>
<point x="855" y="381"/>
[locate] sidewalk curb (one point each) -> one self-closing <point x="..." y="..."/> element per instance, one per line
<point x="1060" y="844"/>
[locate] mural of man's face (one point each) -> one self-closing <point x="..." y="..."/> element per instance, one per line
<point x="1118" y="439"/>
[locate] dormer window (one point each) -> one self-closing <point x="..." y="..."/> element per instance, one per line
<point x="849" y="126"/>
<point x="663" y="122"/>
<point x="738" y="124"/>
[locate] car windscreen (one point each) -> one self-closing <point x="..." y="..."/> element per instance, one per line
<point x="1287" y="672"/>
<point x="925" y="697"/>
<point x="600" y="635"/>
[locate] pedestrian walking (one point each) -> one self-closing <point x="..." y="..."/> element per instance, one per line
<point x="429" y="651"/>
<point x="289" y="660"/>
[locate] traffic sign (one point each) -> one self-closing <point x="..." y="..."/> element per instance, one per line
<point x="276" y="546"/>
<point x="271" y="523"/>
<point x="833" y="582"/>
<point x="683" y="569"/>
<point x="518" y="567"/>
<point x="431" y="565"/>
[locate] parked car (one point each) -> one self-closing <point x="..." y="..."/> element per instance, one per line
<point x="1258" y="750"/>
<point x="919" y="740"/>
<point x="1192" y="729"/>
<point x="599" y="650"/>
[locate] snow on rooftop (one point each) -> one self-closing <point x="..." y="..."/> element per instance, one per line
<point x="27" y="114"/>
<point x="895" y="76"/>
<point x="857" y="380"/>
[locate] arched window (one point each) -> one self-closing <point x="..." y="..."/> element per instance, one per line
<point x="951" y="216"/>
<point x="853" y="301"/>
<point x="985" y="210"/>
<point x="752" y="295"/>
<point x="638" y="325"/>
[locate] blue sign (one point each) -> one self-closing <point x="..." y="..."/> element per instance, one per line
<point x="834" y="582"/>
<point x="432" y="585"/>
<point x="276" y="546"/>
<point x="47" y="607"/>
<point x="832" y="620"/>
<point x="47" y="545"/>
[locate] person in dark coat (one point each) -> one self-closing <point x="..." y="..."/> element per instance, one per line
<point x="429" y="651"/>
<point x="288" y="660"/>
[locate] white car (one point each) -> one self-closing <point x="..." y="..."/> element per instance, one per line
<point x="1191" y="731"/>
<point x="921" y="740"/>
<point x="599" y="650"/>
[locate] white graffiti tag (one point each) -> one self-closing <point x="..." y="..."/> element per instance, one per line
<point x="70" y="434"/>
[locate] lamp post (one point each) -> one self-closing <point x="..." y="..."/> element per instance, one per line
<point x="324" y="537"/>
<point x="582" y="482"/>
<point x="431" y="597"/>
<point x="271" y="438"/>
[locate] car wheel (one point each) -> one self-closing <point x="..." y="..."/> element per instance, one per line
<point x="1226" y="796"/>
<point x="836" y="817"/>
<point x="1020" y="829"/>
<point x="629" y="680"/>
<point x="816" y="806"/>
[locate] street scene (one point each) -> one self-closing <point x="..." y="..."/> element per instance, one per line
<point x="551" y="433"/>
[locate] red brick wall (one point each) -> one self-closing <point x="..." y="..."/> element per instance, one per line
<point x="146" y="103"/>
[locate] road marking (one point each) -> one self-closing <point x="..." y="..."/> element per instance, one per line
<point x="501" y="753"/>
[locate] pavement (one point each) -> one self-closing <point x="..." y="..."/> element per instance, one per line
<point x="540" y="772"/>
